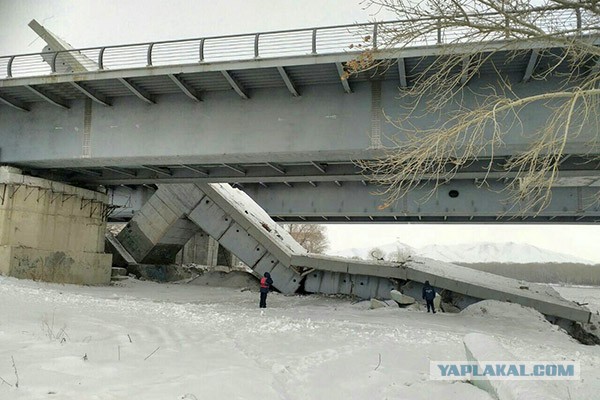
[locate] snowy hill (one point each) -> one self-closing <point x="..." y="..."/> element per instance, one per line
<point x="509" y="252"/>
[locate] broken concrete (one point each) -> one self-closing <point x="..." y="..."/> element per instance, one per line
<point x="377" y="304"/>
<point x="402" y="299"/>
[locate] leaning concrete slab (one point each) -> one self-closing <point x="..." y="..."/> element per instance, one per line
<point x="242" y="227"/>
<point x="51" y="231"/>
<point x="159" y="229"/>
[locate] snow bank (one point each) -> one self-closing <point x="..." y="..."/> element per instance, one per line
<point x="500" y="309"/>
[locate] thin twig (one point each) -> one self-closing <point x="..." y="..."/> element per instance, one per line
<point x="130" y="341"/>
<point x="379" y="363"/>
<point x="15" y="368"/>
<point x="147" y="357"/>
<point x="4" y="381"/>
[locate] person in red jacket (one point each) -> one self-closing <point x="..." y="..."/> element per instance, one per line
<point x="265" y="286"/>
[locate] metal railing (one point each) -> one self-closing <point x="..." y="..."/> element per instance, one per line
<point x="295" y="42"/>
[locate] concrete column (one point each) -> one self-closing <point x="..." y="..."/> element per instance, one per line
<point x="50" y="231"/>
<point x="204" y="250"/>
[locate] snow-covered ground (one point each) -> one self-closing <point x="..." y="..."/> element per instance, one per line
<point x="142" y="340"/>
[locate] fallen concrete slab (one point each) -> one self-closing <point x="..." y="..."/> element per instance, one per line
<point x="476" y="284"/>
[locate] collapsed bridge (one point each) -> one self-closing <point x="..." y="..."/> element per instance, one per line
<point x="178" y="211"/>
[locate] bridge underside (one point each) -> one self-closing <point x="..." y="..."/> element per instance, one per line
<point x="458" y="201"/>
<point x="280" y="144"/>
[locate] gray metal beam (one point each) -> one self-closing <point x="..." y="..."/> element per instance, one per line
<point x="273" y="128"/>
<point x="120" y="171"/>
<point x="198" y="170"/>
<point x="185" y="88"/>
<point x="235" y="85"/>
<point x="596" y="67"/>
<point x="138" y="91"/>
<point x="234" y="168"/>
<point x="402" y="73"/>
<point x="533" y="59"/>
<point x="472" y="205"/>
<point x="464" y="75"/>
<point x="52" y="99"/>
<point x="343" y="78"/>
<point x="13" y="103"/>
<point x="158" y="170"/>
<point x="94" y="95"/>
<point x="319" y="167"/>
<point x="85" y="172"/>
<point x="288" y="81"/>
<point x="277" y="168"/>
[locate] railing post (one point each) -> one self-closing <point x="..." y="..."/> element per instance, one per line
<point x="578" y="14"/>
<point x="9" y="67"/>
<point x="256" y="45"/>
<point x="201" y="50"/>
<point x="150" y="46"/>
<point x="53" y="63"/>
<point x="314" y="41"/>
<point x="101" y="58"/>
<point x="375" y="35"/>
<point x="506" y="28"/>
<point x="439" y="31"/>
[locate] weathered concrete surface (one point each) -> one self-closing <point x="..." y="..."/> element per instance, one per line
<point x="50" y="231"/>
<point x="55" y="266"/>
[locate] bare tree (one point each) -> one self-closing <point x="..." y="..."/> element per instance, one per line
<point x="565" y="34"/>
<point x="312" y="237"/>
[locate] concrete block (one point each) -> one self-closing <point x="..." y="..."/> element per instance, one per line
<point x="242" y="244"/>
<point x="401" y="299"/>
<point x="377" y="304"/>
<point x="134" y="241"/>
<point x="210" y="218"/>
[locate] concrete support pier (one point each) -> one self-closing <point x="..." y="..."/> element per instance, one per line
<point x="202" y="249"/>
<point x="51" y="232"/>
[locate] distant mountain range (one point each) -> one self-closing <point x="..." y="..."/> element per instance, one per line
<point x="483" y="252"/>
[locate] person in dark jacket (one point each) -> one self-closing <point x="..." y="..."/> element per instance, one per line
<point x="429" y="295"/>
<point x="265" y="287"/>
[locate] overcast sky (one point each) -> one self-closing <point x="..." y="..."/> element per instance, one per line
<point x="85" y="23"/>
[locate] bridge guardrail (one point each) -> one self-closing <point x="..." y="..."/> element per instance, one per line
<point x="295" y="42"/>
